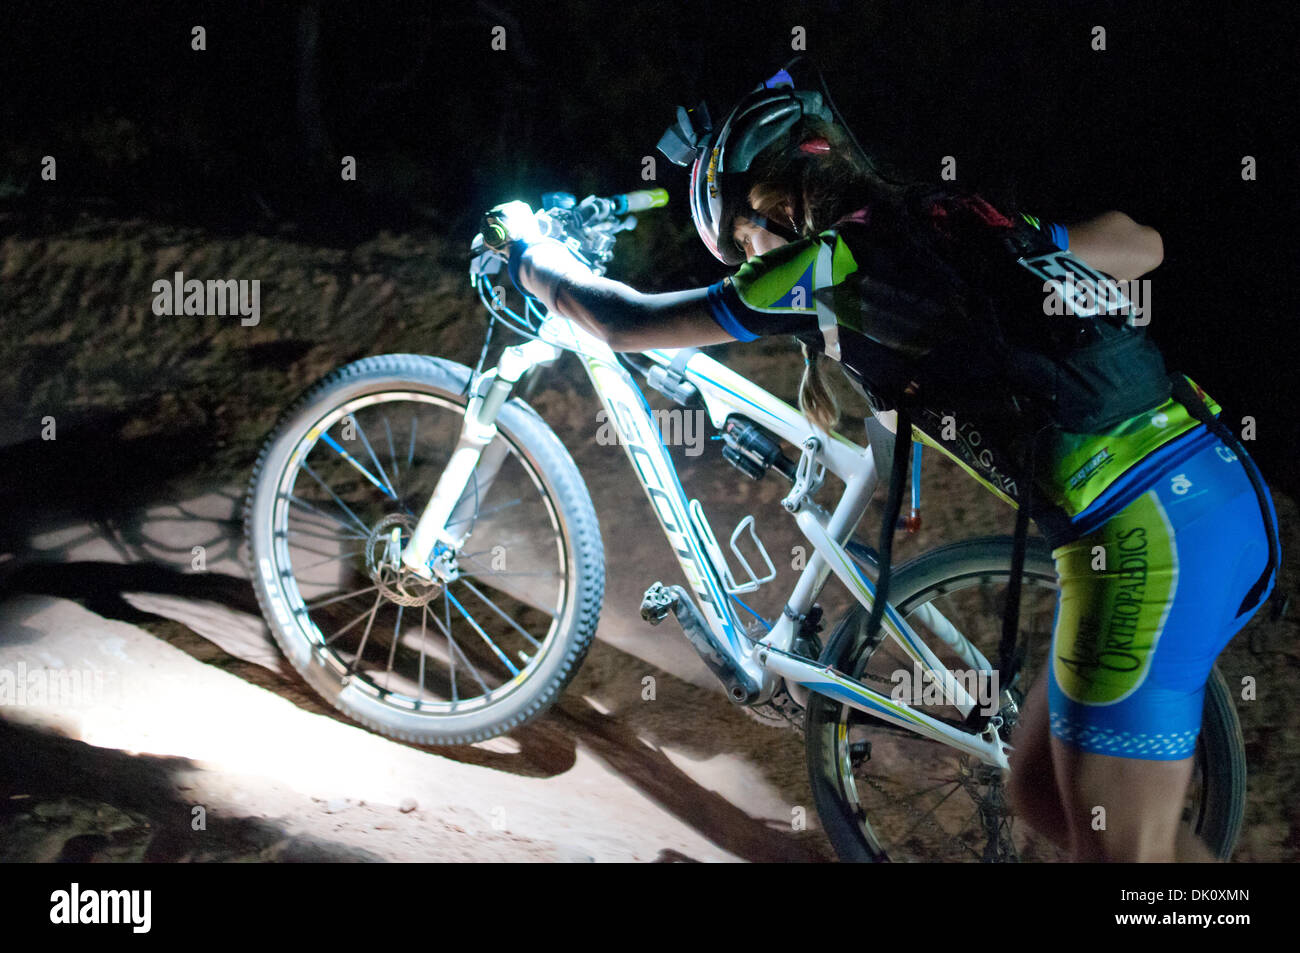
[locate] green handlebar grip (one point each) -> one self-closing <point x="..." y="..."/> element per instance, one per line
<point x="646" y="198"/>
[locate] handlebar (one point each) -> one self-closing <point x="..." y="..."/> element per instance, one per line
<point x="592" y="223"/>
<point x="593" y="209"/>
<point x="587" y="227"/>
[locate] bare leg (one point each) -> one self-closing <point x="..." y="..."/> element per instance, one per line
<point x="1122" y="809"/>
<point x="1033" y="786"/>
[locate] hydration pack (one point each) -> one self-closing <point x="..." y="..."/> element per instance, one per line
<point x="985" y="314"/>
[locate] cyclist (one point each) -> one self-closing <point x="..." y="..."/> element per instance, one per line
<point x="1155" y="518"/>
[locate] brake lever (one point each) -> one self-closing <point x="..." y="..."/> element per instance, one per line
<point x="484" y="261"/>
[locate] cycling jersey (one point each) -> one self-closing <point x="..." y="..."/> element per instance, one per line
<point x="811" y="288"/>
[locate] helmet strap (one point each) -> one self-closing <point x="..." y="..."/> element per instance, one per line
<point x="776" y="228"/>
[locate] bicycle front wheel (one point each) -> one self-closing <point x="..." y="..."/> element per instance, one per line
<point x="884" y="793"/>
<point x="334" y="497"/>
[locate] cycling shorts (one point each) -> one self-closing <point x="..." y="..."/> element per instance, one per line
<point x="1149" y="598"/>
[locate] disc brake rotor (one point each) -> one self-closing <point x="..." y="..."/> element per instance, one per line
<point x="396" y="583"/>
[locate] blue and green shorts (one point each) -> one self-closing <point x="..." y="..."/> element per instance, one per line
<point x="1150" y="593"/>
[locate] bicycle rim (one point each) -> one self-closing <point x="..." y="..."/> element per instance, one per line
<point x="347" y="501"/>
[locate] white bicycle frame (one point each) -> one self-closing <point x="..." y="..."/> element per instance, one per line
<point x="767" y="661"/>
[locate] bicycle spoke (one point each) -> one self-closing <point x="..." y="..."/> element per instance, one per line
<point x="343" y="506"/>
<point x="392" y="454"/>
<point x="397" y="634"/>
<point x="446" y="608"/>
<point x="505" y="660"/>
<point x="424" y="615"/>
<point x="326" y="561"/>
<point x="328" y="539"/>
<point x="361" y="615"/>
<point x="361" y="432"/>
<point x="355" y="464"/>
<point x="410" y="452"/>
<point x="446" y="630"/>
<point x="329" y="559"/>
<point x="374" y="610"/>
<point x="956" y="838"/>
<point x="930" y="813"/>
<point x="309" y="606"/>
<point x="295" y="500"/>
<point x="304" y="548"/>
<point x="493" y="606"/>
<point x="924" y="791"/>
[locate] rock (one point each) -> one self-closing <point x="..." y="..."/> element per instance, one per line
<point x="408" y="805"/>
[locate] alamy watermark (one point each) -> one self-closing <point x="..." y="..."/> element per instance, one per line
<point x="1085" y="298"/>
<point x="1075" y="289"/>
<point x="133" y="908"/>
<point x="676" y="426"/>
<point x="21" y="686"/>
<point x="190" y="296"/>
<point x="920" y="686"/>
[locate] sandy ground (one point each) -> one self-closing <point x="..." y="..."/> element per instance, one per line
<point x="201" y="712"/>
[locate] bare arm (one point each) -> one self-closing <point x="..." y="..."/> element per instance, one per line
<point x="1114" y="243"/>
<point x="621" y="316"/>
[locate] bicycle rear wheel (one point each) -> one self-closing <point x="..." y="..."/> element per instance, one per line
<point x="884" y="793"/>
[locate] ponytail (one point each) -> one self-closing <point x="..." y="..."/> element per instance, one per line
<point x="815" y="398"/>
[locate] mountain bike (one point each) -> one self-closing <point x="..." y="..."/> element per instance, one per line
<point x="428" y="558"/>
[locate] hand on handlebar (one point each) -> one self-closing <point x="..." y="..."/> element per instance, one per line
<point x="587" y="229"/>
<point x="511" y="222"/>
<point x="508" y="232"/>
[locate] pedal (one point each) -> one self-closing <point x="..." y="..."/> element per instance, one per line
<point x="657" y="602"/>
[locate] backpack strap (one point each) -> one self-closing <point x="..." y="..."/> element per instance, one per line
<point x="822" y="279"/>
<point x="893" y="503"/>
<point x="1010" y="656"/>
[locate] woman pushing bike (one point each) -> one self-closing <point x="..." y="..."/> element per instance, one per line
<point x="1011" y="345"/>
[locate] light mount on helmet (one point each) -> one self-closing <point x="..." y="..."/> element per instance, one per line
<point x="721" y="157"/>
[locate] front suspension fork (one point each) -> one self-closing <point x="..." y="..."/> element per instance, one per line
<point x="432" y="541"/>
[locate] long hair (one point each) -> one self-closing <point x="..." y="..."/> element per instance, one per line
<point x="810" y="192"/>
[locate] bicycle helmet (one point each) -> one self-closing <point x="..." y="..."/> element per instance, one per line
<point x="721" y="158"/>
